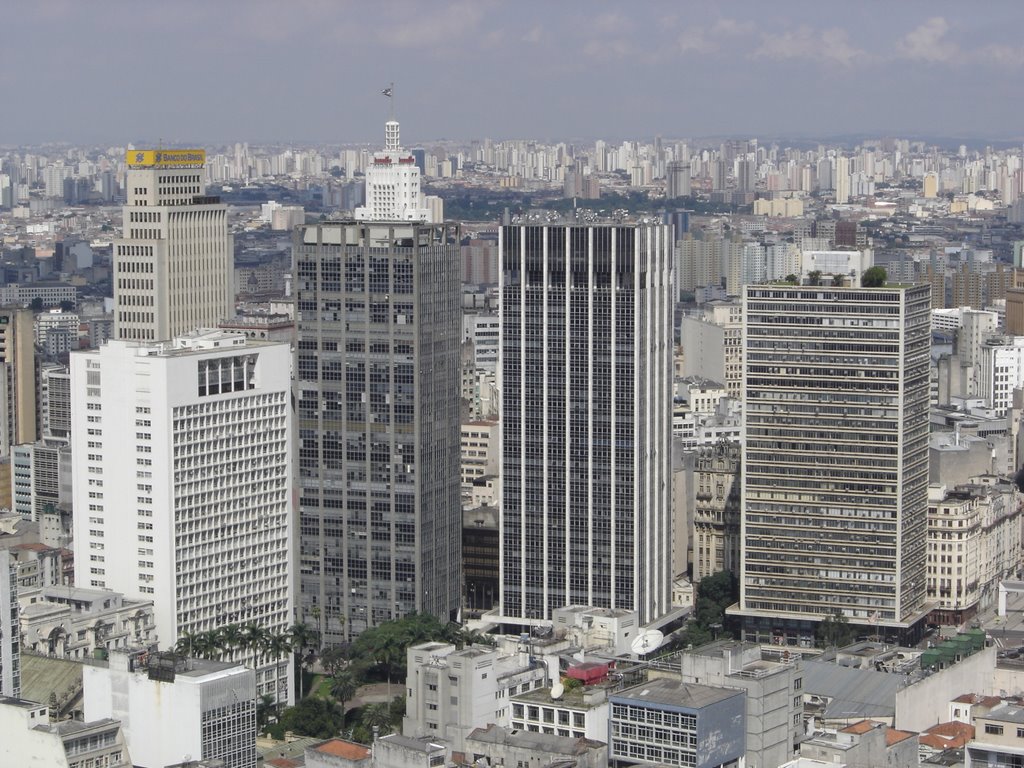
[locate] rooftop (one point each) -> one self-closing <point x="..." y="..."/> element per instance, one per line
<point x="547" y="743"/>
<point x="341" y="748"/>
<point x="672" y="693"/>
<point x="1006" y="713"/>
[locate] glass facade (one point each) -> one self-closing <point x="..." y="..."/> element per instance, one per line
<point x="586" y="366"/>
<point x="377" y="393"/>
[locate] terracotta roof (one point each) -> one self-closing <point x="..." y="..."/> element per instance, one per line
<point x="283" y="762"/>
<point x="862" y="727"/>
<point x="977" y="698"/>
<point x="951" y="735"/>
<point x="892" y="736"/>
<point x="342" y="748"/>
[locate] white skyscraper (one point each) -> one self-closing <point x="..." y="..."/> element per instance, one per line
<point x="586" y="364"/>
<point x="393" y="184"/>
<point x="182" y="483"/>
<point x="173" y="265"/>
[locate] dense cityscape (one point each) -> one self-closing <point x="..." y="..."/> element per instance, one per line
<point x="657" y="450"/>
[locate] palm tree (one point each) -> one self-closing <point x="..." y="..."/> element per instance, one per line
<point x="377" y="716"/>
<point x="254" y="639"/>
<point x="343" y="688"/>
<point x="230" y="637"/>
<point x="302" y="636"/>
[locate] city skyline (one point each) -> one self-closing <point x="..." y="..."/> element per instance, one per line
<point x="464" y="69"/>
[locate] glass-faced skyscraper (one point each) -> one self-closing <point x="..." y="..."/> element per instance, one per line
<point x="835" y="458"/>
<point x="586" y="368"/>
<point x="377" y="388"/>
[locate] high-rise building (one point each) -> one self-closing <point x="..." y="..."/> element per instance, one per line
<point x="17" y="387"/>
<point x="586" y="362"/>
<point x="835" y="458"/>
<point x="677" y="179"/>
<point x="10" y="627"/>
<point x="393" y="183"/>
<point x="182" y="484"/>
<point x="173" y="263"/>
<point x="377" y="390"/>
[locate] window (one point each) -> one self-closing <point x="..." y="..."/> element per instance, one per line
<point x="994" y="729"/>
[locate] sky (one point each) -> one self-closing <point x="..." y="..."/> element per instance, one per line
<point x="207" y="71"/>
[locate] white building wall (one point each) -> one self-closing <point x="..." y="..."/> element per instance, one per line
<point x="185" y="498"/>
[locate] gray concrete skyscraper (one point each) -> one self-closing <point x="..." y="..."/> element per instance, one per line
<point x="377" y="389"/>
<point x="586" y="362"/>
<point x="835" y="459"/>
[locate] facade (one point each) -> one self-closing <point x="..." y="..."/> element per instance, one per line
<point x="1000" y="370"/>
<point x="999" y="738"/>
<point x="578" y="714"/>
<point x="10" y="629"/>
<point x="586" y="418"/>
<point x="864" y="744"/>
<point x="182" y="483"/>
<point x="480" y="558"/>
<point x="663" y="722"/>
<point x="713" y="345"/>
<point x="716" y="515"/>
<point x="835" y="458"/>
<point x="176" y="708"/>
<point x="173" y="265"/>
<point x="71" y="623"/>
<point x="773" y="686"/>
<point x="501" y="746"/>
<point x="41" y="477"/>
<point x="480" y="441"/>
<point x="17" y="387"/>
<point x="393" y="184"/>
<point x="55" y="400"/>
<point x="377" y="392"/>
<point x="453" y="691"/>
<point x="32" y="738"/>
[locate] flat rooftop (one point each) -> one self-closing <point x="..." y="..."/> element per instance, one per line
<point x="675" y="694"/>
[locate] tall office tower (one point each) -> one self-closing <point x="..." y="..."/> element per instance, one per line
<point x="677" y="180"/>
<point x="377" y="389"/>
<point x="842" y="180"/>
<point x="745" y="175"/>
<point x="586" y="362"/>
<point x="10" y="627"/>
<point x="835" y="458"/>
<point x="393" y="184"/>
<point x="182" y="483"/>
<point x="17" y="387"/>
<point x="174" y="263"/>
<point x="716" y="515"/>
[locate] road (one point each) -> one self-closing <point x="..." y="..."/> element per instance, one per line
<point x="1007" y="631"/>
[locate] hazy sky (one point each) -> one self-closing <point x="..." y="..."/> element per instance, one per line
<point x="312" y="70"/>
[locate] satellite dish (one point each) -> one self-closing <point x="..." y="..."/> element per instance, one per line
<point x="557" y="690"/>
<point x="647" y="641"/>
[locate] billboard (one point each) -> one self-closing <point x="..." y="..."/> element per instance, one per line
<point x="165" y="158"/>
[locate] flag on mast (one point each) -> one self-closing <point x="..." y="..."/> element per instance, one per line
<point x="387" y="92"/>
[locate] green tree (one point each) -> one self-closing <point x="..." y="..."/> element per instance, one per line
<point x="874" y="277"/>
<point x="230" y="637"/>
<point x="814" y="277"/>
<point x="377" y="716"/>
<point x="834" y="631"/>
<point x="792" y="279"/>
<point x="303" y="638"/>
<point x="343" y="687"/>
<point x="264" y="709"/>
<point x="36" y="305"/>
<point x="254" y="640"/>
<point x="312" y="716"/>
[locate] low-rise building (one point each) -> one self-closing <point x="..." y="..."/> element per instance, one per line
<point x="665" y="722"/>
<point x="30" y="738"/>
<point x="451" y="691"/>
<point x="999" y="738"/>
<point x="497" y="746"/>
<point x="70" y="622"/>
<point x="338" y="753"/>
<point x="571" y="712"/>
<point x="173" y="707"/>
<point x="774" y="688"/>
<point x="864" y="744"/>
